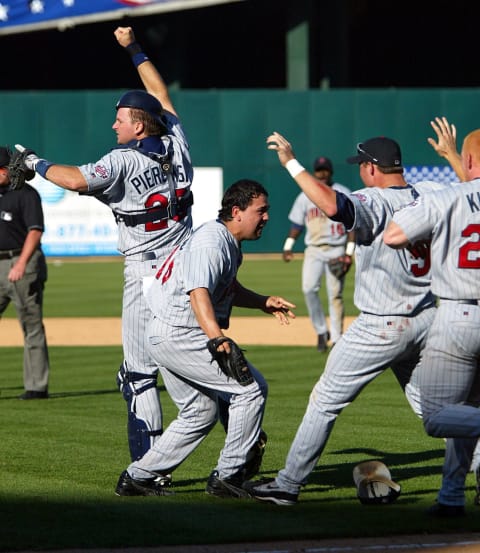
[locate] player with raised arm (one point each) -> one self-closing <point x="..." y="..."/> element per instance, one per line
<point x="146" y="183"/>
<point x="447" y="375"/>
<point x="392" y="293"/>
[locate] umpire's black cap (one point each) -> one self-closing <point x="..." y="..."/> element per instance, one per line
<point x="4" y="156"/>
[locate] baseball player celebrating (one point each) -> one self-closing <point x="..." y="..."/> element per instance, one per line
<point x="191" y="300"/>
<point x="325" y="241"/>
<point x="447" y="376"/>
<point x="392" y="292"/>
<point x="146" y="183"/>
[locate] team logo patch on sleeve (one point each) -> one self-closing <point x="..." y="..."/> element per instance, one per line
<point x="361" y="197"/>
<point x="101" y="171"/>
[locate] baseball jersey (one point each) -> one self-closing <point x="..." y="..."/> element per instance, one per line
<point x="209" y="259"/>
<point x="451" y="218"/>
<point x="320" y="230"/>
<point x="387" y="281"/>
<point x="129" y="181"/>
<point x="20" y="212"/>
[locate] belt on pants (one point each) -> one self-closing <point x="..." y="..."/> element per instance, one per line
<point x="462" y="302"/>
<point x="146" y="256"/>
<point x="8" y="254"/>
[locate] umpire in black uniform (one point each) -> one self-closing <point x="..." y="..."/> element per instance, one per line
<point x="23" y="272"/>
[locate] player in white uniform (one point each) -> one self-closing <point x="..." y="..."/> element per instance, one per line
<point x="146" y="183"/>
<point x="392" y="291"/>
<point x="191" y="299"/>
<point x="448" y="376"/>
<point x="324" y="240"/>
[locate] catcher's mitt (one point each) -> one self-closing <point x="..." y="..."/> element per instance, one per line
<point x="339" y="266"/>
<point x="17" y="170"/>
<point x="233" y="364"/>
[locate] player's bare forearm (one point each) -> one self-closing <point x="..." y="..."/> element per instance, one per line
<point x="322" y="195"/>
<point x="155" y="85"/>
<point x="394" y="236"/>
<point x="205" y="314"/>
<point x="68" y="177"/>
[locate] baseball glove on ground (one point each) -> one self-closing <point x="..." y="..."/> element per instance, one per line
<point x="339" y="266"/>
<point x="233" y="364"/>
<point x="18" y="172"/>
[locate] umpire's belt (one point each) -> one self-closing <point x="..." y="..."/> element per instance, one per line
<point x="462" y="302"/>
<point x="8" y="254"/>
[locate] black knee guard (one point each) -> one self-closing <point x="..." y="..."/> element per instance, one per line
<point x="139" y="435"/>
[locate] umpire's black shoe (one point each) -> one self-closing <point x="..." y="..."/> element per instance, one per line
<point x="230" y="487"/>
<point x="322" y="343"/>
<point x="267" y="489"/>
<point x="127" y="486"/>
<point x="440" y="510"/>
<point x="32" y="394"/>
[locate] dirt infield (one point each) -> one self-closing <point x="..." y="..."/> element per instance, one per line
<point x="107" y="331"/>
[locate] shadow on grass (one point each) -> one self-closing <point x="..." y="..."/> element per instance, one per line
<point x="60" y="395"/>
<point x="36" y="523"/>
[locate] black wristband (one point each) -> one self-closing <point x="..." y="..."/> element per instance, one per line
<point x="133" y="48"/>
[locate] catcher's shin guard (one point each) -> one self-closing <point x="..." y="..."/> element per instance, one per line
<point x="139" y="434"/>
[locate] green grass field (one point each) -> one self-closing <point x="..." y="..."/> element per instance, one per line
<point x="61" y="458"/>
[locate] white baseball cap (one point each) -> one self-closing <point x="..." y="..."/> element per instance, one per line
<point x="374" y="483"/>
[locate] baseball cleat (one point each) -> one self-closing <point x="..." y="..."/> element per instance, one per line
<point x="127" y="486"/>
<point x="322" y="342"/>
<point x="268" y="490"/>
<point x="252" y="466"/>
<point x="440" y="510"/>
<point x="230" y="487"/>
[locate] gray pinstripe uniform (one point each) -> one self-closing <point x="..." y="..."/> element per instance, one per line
<point x="129" y="182"/>
<point x="447" y="376"/>
<point x="324" y="240"/>
<point x="209" y="259"/>
<point x="392" y="291"/>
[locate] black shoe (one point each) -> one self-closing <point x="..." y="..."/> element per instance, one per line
<point x="228" y="487"/>
<point x="440" y="510"/>
<point x="268" y="490"/>
<point x="322" y="342"/>
<point x="252" y="466"/>
<point x="29" y="394"/>
<point x="476" y="499"/>
<point x="127" y="486"/>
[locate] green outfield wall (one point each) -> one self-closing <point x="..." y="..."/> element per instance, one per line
<point x="228" y="128"/>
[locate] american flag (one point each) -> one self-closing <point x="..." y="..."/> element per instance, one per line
<point x="20" y="16"/>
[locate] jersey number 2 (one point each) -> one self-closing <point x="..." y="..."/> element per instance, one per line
<point x="468" y="257"/>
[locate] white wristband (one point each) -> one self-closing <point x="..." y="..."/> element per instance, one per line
<point x="350" y="249"/>
<point x="289" y="242"/>
<point x="293" y="167"/>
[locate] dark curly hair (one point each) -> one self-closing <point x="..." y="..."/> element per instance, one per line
<point x="240" y="194"/>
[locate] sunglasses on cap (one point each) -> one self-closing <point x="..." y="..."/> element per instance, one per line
<point x="360" y="150"/>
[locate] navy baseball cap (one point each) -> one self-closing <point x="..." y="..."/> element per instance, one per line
<point x="381" y="151"/>
<point x="140" y="99"/>
<point x="323" y="162"/>
<point x="4" y="156"/>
